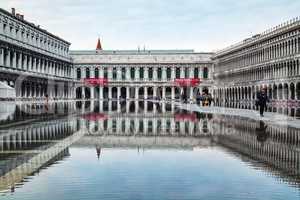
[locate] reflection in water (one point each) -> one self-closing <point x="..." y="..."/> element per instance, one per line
<point x="30" y="147"/>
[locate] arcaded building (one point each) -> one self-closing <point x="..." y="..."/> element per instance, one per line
<point x="269" y="59"/>
<point x="141" y="74"/>
<point x="33" y="62"/>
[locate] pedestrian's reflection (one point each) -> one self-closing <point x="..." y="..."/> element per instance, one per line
<point x="261" y="133"/>
<point x="98" y="150"/>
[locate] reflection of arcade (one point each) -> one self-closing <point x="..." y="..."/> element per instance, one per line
<point x="28" y="148"/>
<point x="123" y="106"/>
<point x="276" y="146"/>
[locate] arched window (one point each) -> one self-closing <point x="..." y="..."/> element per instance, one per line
<point x="205" y="72"/>
<point x="186" y="73"/>
<point x="96" y="73"/>
<point x="105" y="73"/>
<point x="196" y="72"/>
<point x="87" y="73"/>
<point x="78" y="73"/>
<point x="132" y="73"/>
<point x="178" y="72"/>
<point x="159" y="73"/>
<point x="150" y="73"/>
<point x="114" y="73"/>
<point x="169" y="73"/>
<point x="141" y="73"/>
<point x="123" y="73"/>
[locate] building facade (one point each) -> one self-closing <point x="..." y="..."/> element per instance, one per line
<point x="270" y="60"/>
<point x="137" y="74"/>
<point x="33" y="61"/>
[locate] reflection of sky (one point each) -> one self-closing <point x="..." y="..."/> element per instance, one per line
<point x="153" y="174"/>
<point x="159" y="24"/>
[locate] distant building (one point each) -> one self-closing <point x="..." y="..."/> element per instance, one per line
<point x="33" y="61"/>
<point x="141" y="74"/>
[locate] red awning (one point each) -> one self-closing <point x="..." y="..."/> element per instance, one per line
<point x="94" y="116"/>
<point x="95" y="81"/>
<point x="187" y="82"/>
<point x="186" y="117"/>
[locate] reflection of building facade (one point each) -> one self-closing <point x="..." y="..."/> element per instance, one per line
<point x="32" y="60"/>
<point x="276" y="146"/>
<point x="269" y="59"/>
<point x="28" y="148"/>
<point x="141" y="74"/>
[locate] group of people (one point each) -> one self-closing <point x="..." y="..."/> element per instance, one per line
<point x="204" y="99"/>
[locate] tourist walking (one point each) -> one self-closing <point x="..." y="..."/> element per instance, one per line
<point x="261" y="101"/>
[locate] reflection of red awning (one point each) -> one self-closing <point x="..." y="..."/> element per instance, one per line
<point x="94" y="116"/>
<point x="186" y="117"/>
<point x="95" y="81"/>
<point x="187" y="82"/>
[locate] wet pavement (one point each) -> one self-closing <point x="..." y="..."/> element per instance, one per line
<point x="146" y="150"/>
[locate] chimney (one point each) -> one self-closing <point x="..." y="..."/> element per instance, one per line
<point x="13" y="11"/>
<point x="22" y="17"/>
<point x="18" y="15"/>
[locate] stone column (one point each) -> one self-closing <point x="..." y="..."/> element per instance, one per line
<point x="182" y="72"/>
<point x="163" y="93"/>
<point x="100" y="92"/>
<point x="145" y="93"/>
<point x="173" y="72"/>
<point x="173" y="93"/>
<point x="118" y="92"/>
<point x="127" y="93"/>
<point x="109" y="92"/>
<point x="20" y="61"/>
<point x="14" y="64"/>
<point x="92" y="89"/>
<point x="8" y="59"/>
<point x="191" y="93"/>
<point x="154" y="91"/>
<point x="136" y="93"/>
<point x="2" y="57"/>
<point x="82" y="92"/>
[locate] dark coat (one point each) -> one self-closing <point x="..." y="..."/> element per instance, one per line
<point x="262" y="98"/>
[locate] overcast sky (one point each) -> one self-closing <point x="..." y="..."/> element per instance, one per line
<point x="203" y="25"/>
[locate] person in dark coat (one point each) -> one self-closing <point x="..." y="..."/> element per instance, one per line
<point x="262" y="99"/>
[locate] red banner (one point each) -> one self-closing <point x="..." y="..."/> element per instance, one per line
<point x="95" y="116"/>
<point x="95" y="81"/>
<point x="186" y="82"/>
<point x="186" y="117"/>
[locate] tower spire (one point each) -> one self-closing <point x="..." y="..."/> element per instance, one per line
<point x="99" y="46"/>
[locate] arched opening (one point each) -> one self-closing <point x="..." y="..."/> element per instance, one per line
<point x="87" y="93"/>
<point x="168" y="93"/>
<point x="114" y="93"/>
<point x="292" y="91"/>
<point x="131" y="93"/>
<point x="150" y="92"/>
<point x="275" y="95"/>
<point x="123" y="93"/>
<point x="141" y="93"/>
<point x="105" y="93"/>
<point x="177" y="93"/>
<point x="159" y="92"/>
<point x="96" y="73"/>
<point x="169" y="73"/>
<point x="78" y="73"/>
<point x="205" y="72"/>
<point x="280" y="91"/>
<point x="87" y="73"/>
<point x="270" y="92"/>
<point x="78" y="93"/>
<point x="97" y="92"/>
<point x="298" y="91"/>
<point x="286" y="91"/>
